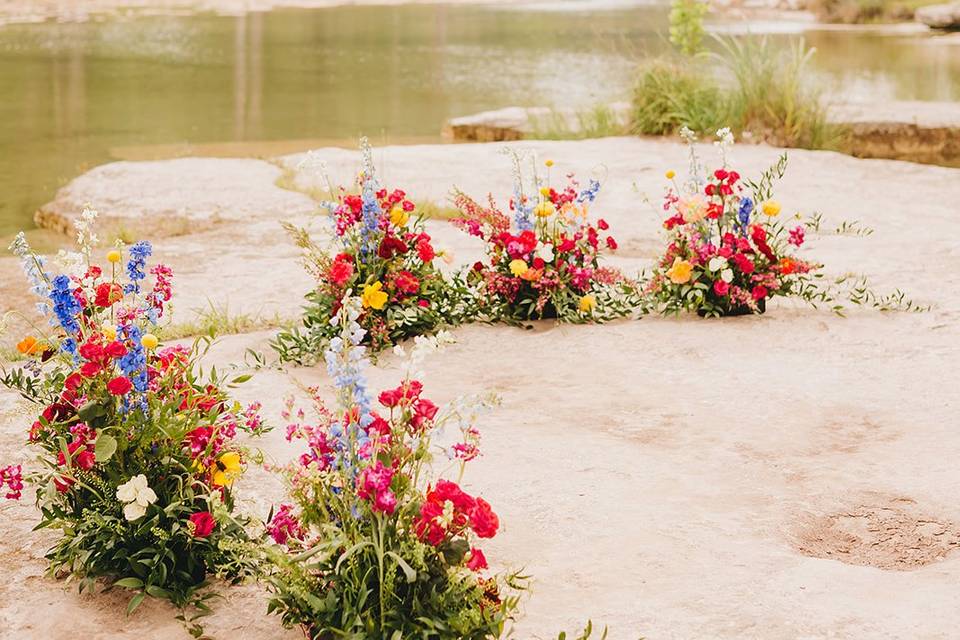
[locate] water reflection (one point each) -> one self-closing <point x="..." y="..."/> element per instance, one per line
<point x="78" y="95"/>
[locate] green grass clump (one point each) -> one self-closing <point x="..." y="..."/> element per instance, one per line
<point x="599" y="121"/>
<point x="747" y="85"/>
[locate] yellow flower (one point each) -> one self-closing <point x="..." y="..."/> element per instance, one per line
<point x="399" y="217"/>
<point x="671" y="174"/>
<point x="680" y="272"/>
<point x="110" y="332"/>
<point x="771" y="208"/>
<point x="518" y="267"/>
<point x="545" y="191"/>
<point x="549" y="163"/>
<point x="588" y="303"/>
<point x="148" y="340"/>
<point x="545" y="209"/>
<point x="372" y="295"/>
<point x="114" y="256"/>
<point x="226" y="469"/>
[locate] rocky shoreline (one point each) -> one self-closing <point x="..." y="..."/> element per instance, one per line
<point x="671" y="478"/>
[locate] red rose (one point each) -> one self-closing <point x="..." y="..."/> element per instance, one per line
<point x="477" y="561"/>
<point x="203" y="524"/>
<point x="107" y="294"/>
<point x="119" y="386"/>
<point x="483" y="520"/>
<point x="91" y="351"/>
<point x="115" y="349"/>
<point x="759" y="292"/>
<point x="721" y="288"/>
<point x="424" y="411"/>
<point x="73" y="382"/>
<point x="90" y="369"/>
<point x="423" y="303"/>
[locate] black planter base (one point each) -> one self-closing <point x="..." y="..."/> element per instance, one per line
<point x="742" y="310"/>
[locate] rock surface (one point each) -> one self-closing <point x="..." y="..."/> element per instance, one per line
<point x="927" y="132"/>
<point x="182" y="196"/>
<point x="777" y="477"/>
<point x="940" y="16"/>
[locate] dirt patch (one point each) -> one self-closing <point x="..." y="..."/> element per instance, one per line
<point x="888" y="534"/>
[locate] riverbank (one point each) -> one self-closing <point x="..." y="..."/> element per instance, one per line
<point x="673" y="478"/>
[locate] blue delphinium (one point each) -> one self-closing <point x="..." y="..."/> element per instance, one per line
<point x="33" y="267"/>
<point x="136" y="265"/>
<point x="134" y="364"/>
<point x="65" y="305"/>
<point x="590" y="193"/>
<point x="746" y="208"/>
<point x="523" y="211"/>
<point x="370" y="209"/>
<point x="346" y="358"/>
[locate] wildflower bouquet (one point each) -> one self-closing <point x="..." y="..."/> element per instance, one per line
<point x="547" y="263"/>
<point x="729" y="252"/>
<point x="382" y="251"/>
<point x="137" y="455"/>
<point x="366" y="550"/>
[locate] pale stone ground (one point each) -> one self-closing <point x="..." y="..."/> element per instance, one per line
<point x="786" y="476"/>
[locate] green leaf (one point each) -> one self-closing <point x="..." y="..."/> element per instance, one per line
<point x="105" y="447"/>
<point x="135" y="602"/>
<point x="407" y="569"/>
<point x="129" y="583"/>
<point x="90" y="411"/>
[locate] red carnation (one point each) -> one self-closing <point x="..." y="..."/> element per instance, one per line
<point x="759" y="292"/>
<point x="611" y="243"/>
<point x="406" y="282"/>
<point x="721" y="288"/>
<point x="483" y="520"/>
<point x="341" y="270"/>
<point x="203" y="524"/>
<point x="119" y="386"/>
<point x="602" y="224"/>
<point x="425" y="249"/>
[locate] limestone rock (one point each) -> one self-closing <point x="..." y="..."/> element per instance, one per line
<point x="940" y="16"/>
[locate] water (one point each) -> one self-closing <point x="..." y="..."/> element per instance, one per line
<point x="78" y="95"/>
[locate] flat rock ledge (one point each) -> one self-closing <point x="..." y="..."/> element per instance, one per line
<point x="940" y="16"/>
<point x="185" y="195"/>
<point x="925" y="132"/>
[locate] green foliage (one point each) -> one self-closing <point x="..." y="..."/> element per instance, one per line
<point x="599" y="121"/>
<point x="747" y="85"/>
<point x="670" y="95"/>
<point x="686" y="25"/>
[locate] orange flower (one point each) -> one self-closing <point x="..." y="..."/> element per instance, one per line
<point x="30" y="346"/>
<point x="786" y="266"/>
<point x="532" y="275"/>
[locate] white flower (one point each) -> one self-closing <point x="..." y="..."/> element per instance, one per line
<point x="717" y="263"/>
<point x="447" y="256"/>
<point x="545" y="252"/>
<point x="727" y="275"/>
<point x="137" y="495"/>
<point x="133" y="511"/>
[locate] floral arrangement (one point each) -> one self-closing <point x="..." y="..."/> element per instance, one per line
<point x="369" y="546"/>
<point x="729" y="251"/>
<point x="545" y="262"/>
<point x="382" y="252"/>
<point x="137" y="451"/>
